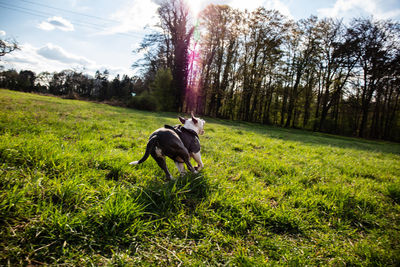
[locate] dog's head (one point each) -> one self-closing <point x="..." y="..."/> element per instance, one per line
<point x="195" y="124"/>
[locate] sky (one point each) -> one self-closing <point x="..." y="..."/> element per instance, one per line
<point x="90" y="35"/>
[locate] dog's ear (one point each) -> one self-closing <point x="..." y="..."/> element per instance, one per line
<point x="193" y="118"/>
<point x="182" y="119"/>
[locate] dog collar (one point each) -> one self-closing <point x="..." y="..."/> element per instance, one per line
<point x="178" y="128"/>
<point x="189" y="131"/>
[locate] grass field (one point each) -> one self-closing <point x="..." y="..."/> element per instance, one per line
<point x="267" y="196"/>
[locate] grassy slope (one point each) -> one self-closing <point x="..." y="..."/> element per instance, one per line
<point x="267" y="195"/>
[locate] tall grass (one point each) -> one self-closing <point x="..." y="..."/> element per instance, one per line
<point x="267" y="196"/>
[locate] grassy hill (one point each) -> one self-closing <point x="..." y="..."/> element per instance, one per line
<point x="266" y="195"/>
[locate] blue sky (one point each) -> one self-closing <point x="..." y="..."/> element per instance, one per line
<point x="86" y="35"/>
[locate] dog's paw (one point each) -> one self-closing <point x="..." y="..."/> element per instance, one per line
<point x="198" y="168"/>
<point x="134" y="163"/>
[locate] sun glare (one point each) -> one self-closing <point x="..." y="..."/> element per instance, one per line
<point x="195" y="7"/>
<point x="193" y="59"/>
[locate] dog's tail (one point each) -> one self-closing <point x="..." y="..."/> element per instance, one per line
<point x="149" y="147"/>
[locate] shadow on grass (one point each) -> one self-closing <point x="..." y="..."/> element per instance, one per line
<point x="164" y="199"/>
<point x="312" y="138"/>
<point x="242" y="219"/>
<point x="120" y="220"/>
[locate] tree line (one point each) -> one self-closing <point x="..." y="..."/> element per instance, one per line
<point x="317" y="74"/>
<point x="77" y="85"/>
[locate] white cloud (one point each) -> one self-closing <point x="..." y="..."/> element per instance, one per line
<point x="54" y="58"/>
<point x="57" y="53"/>
<point x="26" y="58"/>
<point x="356" y="8"/>
<point x="56" y="23"/>
<point x="2" y="33"/>
<point x="134" y="17"/>
<point x="278" y="5"/>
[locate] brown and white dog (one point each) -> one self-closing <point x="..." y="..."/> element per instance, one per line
<point x="178" y="143"/>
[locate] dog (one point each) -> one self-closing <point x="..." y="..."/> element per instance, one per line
<point x="179" y="143"/>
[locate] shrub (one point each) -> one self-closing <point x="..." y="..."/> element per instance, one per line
<point x="144" y="101"/>
<point x="163" y="89"/>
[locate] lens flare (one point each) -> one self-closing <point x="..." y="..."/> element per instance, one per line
<point x="194" y="66"/>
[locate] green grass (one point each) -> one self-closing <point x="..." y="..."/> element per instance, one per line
<point x="267" y="196"/>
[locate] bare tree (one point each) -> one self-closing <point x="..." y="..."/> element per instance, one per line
<point x="7" y="46"/>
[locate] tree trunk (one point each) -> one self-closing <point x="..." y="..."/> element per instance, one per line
<point x="293" y="97"/>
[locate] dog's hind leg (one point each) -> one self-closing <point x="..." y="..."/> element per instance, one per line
<point x="163" y="164"/>
<point x="185" y="157"/>
<point x="180" y="167"/>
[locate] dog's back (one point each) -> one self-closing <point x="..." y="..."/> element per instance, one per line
<point x="168" y="143"/>
<point x="189" y="138"/>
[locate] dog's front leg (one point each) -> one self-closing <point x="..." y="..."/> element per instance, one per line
<point x="197" y="158"/>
